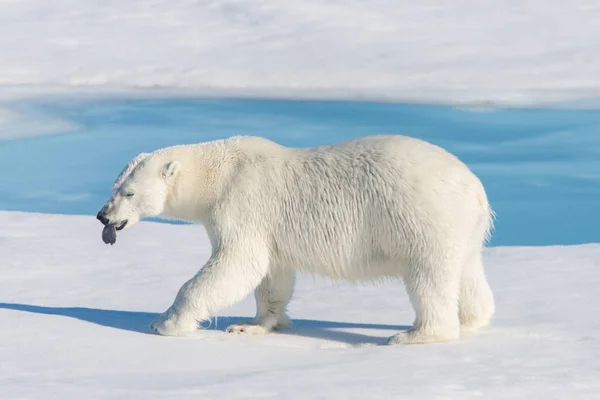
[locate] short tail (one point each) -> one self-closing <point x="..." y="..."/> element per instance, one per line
<point x="488" y="215"/>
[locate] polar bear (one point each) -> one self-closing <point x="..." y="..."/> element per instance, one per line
<point x="384" y="206"/>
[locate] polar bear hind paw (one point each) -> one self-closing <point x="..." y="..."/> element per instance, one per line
<point x="414" y="336"/>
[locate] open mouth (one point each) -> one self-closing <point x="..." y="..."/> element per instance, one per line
<point x="121" y="225"/>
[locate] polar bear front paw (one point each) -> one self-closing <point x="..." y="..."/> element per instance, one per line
<point x="248" y="329"/>
<point x="172" y="323"/>
<point x="261" y="325"/>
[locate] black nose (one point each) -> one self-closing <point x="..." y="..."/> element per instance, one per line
<point x="100" y="217"/>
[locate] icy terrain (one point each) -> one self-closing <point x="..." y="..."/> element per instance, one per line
<point x="512" y="51"/>
<point x="75" y="314"/>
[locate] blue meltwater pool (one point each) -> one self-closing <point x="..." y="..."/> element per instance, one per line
<point x="541" y="167"/>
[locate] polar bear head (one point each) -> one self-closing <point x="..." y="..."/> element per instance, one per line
<point x="141" y="190"/>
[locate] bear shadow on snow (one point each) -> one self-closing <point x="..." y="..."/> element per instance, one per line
<point x="137" y="321"/>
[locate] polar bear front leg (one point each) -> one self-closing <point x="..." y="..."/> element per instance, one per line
<point x="272" y="297"/>
<point x="226" y="278"/>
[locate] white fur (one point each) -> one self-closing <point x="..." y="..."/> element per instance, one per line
<point x="366" y="209"/>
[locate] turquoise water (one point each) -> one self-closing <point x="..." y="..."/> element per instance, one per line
<point x="541" y="167"/>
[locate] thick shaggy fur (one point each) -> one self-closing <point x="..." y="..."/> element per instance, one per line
<point x="365" y="209"/>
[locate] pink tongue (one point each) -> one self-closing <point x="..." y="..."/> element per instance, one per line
<point x="109" y="234"/>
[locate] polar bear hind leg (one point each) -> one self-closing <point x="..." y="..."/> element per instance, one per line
<point x="433" y="288"/>
<point x="476" y="300"/>
<point x="272" y="297"/>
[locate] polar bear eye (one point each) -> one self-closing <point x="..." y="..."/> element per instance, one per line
<point x="130" y="194"/>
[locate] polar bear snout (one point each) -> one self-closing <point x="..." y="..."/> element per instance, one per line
<point x="105" y="219"/>
<point x="102" y="217"/>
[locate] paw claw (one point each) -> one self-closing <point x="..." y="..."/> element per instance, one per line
<point x="248" y="329"/>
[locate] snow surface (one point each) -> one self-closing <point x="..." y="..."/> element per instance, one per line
<point x="75" y="317"/>
<point x="465" y="51"/>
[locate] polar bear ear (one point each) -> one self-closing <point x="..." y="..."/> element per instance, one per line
<point x="127" y="170"/>
<point x="171" y="170"/>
